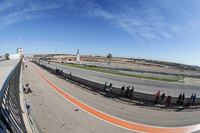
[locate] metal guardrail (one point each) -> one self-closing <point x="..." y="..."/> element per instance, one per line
<point x="11" y="120"/>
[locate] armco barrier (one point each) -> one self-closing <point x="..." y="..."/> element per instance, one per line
<point x="11" y="115"/>
<point x="117" y="91"/>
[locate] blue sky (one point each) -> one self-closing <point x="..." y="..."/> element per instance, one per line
<point x="167" y="30"/>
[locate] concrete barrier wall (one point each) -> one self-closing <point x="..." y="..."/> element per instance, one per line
<point x="116" y="91"/>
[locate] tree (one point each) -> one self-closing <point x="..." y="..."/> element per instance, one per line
<point x="7" y="56"/>
<point x="109" y="56"/>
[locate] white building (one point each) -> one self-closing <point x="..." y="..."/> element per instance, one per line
<point x="20" y="51"/>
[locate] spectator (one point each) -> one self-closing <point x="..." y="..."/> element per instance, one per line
<point x="194" y="98"/>
<point x="58" y="71"/>
<point x="110" y="87"/>
<point x="183" y="97"/>
<point x="163" y="96"/>
<point x="122" y="90"/>
<point x="28" y="89"/>
<point x="61" y="72"/>
<point x="179" y="99"/>
<point x="157" y="97"/>
<point x="127" y="91"/>
<point x="106" y="85"/>
<point x="70" y="75"/>
<point x="132" y="92"/>
<point x="191" y="99"/>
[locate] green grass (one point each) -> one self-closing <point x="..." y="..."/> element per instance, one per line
<point x="94" y="68"/>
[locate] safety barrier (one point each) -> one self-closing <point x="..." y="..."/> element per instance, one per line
<point x="117" y="91"/>
<point x="11" y="115"/>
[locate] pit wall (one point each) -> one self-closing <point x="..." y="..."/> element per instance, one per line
<point x="117" y="91"/>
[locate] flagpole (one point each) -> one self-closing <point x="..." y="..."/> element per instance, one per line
<point x="20" y="42"/>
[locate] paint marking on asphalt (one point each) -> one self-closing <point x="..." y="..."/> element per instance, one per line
<point x="119" y="122"/>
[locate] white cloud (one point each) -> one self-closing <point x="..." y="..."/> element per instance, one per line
<point x="101" y="13"/>
<point x="146" y="21"/>
<point x="15" y="11"/>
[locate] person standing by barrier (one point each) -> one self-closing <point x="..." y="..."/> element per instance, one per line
<point x="191" y="99"/>
<point x="132" y="92"/>
<point x="157" y="97"/>
<point x="183" y="97"/>
<point x="61" y="72"/>
<point x="179" y="99"/>
<point x="70" y="75"/>
<point x="105" y="86"/>
<point x="194" y="98"/>
<point x="163" y="96"/>
<point x="122" y="90"/>
<point x="127" y="91"/>
<point x="110" y="87"/>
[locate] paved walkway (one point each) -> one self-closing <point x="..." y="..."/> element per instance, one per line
<point x="5" y="69"/>
<point x="55" y="113"/>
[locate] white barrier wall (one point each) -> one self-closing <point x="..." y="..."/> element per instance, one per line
<point x="14" y="56"/>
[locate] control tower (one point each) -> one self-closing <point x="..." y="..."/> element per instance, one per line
<point x="78" y="56"/>
<point x="19" y="49"/>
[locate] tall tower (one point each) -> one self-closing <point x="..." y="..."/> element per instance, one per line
<point x="78" y="56"/>
<point x="19" y="49"/>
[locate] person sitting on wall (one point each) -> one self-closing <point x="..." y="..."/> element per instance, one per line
<point x="28" y="89"/>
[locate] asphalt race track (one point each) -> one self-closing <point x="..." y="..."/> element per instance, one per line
<point x="141" y="85"/>
<point x="54" y="111"/>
